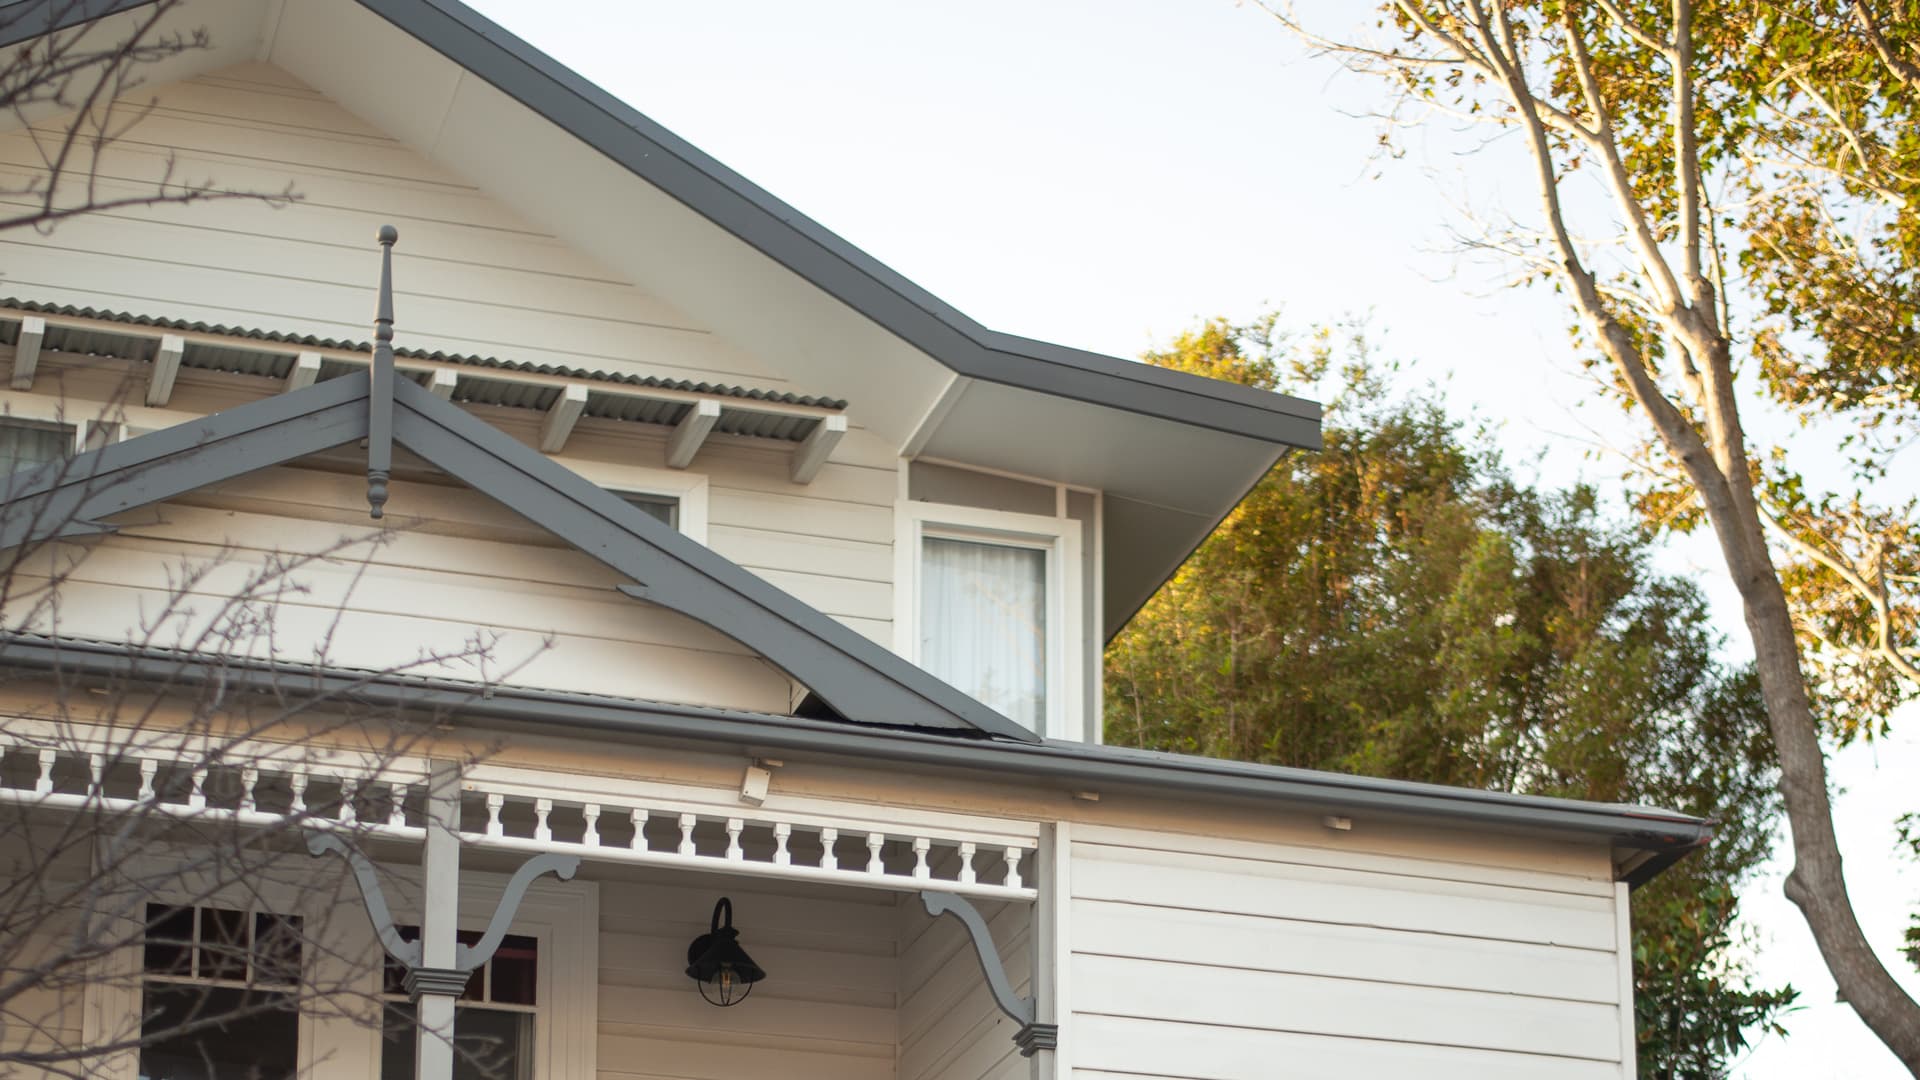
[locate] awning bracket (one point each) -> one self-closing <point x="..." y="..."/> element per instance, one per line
<point x="1032" y="1036"/>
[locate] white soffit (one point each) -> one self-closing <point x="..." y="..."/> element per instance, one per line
<point x="593" y="204"/>
<point x="1185" y="468"/>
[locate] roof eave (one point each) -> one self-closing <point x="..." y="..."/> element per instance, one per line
<point x="1664" y="836"/>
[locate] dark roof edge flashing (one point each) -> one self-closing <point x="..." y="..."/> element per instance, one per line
<point x="1665" y="835"/>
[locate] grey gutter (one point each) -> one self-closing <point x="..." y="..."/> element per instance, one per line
<point x="1666" y="835"/>
<point x="735" y="204"/>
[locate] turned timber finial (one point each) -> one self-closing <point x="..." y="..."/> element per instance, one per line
<point x="380" y="391"/>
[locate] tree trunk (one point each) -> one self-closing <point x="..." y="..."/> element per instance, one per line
<point x="1816" y="884"/>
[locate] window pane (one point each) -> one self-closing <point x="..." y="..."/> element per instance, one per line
<point x="223" y="944"/>
<point x="169" y="940"/>
<point x="23" y="445"/>
<point x="663" y="508"/>
<point x="218" y="1033"/>
<point x="514" y="964"/>
<point x="983" y="623"/>
<point x="488" y="1044"/>
<point x="276" y="948"/>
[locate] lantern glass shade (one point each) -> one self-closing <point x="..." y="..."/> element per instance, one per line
<point x="716" y="961"/>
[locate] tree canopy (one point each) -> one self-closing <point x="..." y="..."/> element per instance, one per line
<point x="1726" y="196"/>
<point x="1400" y="605"/>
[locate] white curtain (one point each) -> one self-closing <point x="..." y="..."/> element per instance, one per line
<point x="26" y="445"/>
<point x="983" y="623"/>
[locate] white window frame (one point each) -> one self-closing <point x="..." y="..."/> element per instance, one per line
<point x="688" y="487"/>
<point x="564" y="917"/>
<point x="1059" y="537"/>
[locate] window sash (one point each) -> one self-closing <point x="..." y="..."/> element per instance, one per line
<point x="984" y="622"/>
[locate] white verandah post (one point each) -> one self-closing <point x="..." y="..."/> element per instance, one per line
<point x="1052" y="946"/>
<point x="439" y="923"/>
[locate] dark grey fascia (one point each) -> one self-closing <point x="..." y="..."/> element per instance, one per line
<point x="858" y="280"/>
<point x="1662" y="835"/>
<point x="860" y="680"/>
<point x="26" y="19"/>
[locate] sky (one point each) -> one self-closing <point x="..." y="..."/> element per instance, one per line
<point x="1104" y="175"/>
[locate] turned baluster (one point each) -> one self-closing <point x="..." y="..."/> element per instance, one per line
<point x="494" y="801"/>
<point x="828" y="860"/>
<point x="875" y="841"/>
<point x="1013" y="868"/>
<point x="920" y="868"/>
<point x="591" y="837"/>
<point x="966" y="863"/>
<point x="639" y="841"/>
<point x="734" y="825"/>
<point x="686" y="834"/>
<point x="781" y="856"/>
<point x="541" y="808"/>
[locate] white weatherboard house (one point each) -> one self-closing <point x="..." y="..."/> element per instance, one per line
<point x="796" y="581"/>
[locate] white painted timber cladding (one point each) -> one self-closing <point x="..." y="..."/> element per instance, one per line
<point x="1218" y="960"/>
<point x="825" y="1011"/>
<point x="471" y="277"/>
<point x="456" y="565"/>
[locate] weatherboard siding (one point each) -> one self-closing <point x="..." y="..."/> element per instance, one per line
<point x="825" y="1011"/>
<point x="470" y="276"/>
<point x="1219" y="960"/>
<point x="456" y="564"/>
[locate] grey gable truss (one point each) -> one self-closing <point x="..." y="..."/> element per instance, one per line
<point x="857" y="678"/>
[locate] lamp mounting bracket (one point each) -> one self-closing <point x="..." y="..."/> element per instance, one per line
<point x="1033" y="1036"/>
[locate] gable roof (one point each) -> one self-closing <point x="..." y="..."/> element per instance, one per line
<point x="1171" y="453"/>
<point x="783" y="233"/>
<point x="858" y="679"/>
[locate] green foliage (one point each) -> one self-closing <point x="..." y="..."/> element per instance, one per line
<point x="1398" y="605"/>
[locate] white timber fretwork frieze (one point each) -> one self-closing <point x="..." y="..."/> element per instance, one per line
<point x="381" y="793"/>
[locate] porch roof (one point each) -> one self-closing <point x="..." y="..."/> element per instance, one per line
<point x="1646" y="839"/>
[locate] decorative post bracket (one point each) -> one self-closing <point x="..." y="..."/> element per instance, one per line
<point x="466" y="957"/>
<point x="1033" y="1035"/>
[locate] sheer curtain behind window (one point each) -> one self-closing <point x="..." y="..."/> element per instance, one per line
<point x="24" y="444"/>
<point x="983" y="623"/>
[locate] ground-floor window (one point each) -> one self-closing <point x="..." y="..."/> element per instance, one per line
<point x="493" y="1023"/>
<point x="218" y="997"/>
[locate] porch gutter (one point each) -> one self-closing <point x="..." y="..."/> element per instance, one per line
<point x="1663" y="836"/>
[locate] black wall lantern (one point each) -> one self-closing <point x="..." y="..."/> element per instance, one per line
<point x="716" y="961"/>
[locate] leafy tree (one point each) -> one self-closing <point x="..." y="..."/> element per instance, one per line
<point x="1398" y="605"/>
<point x="1726" y="197"/>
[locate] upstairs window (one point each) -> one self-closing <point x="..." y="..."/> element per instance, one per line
<point x="662" y="508"/>
<point x="983" y="622"/>
<point x="27" y="443"/>
<point x="990" y="603"/>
